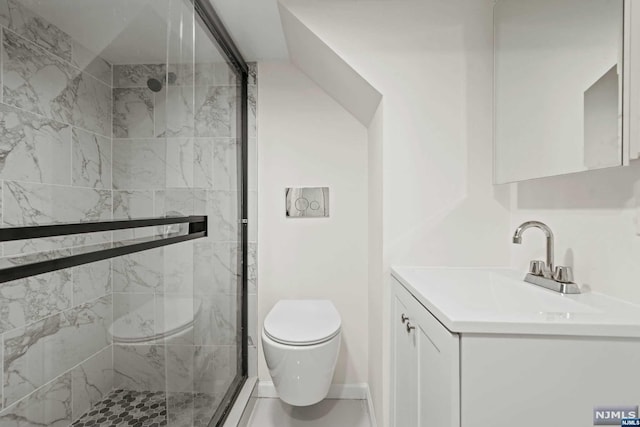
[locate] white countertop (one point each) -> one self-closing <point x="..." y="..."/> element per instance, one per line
<point x="473" y="300"/>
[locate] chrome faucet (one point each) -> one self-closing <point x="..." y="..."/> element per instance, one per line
<point x="559" y="279"/>
<point x="517" y="239"/>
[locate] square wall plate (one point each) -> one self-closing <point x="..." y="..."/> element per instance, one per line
<point x="307" y="202"/>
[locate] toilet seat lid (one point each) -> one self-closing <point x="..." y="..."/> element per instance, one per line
<point x="302" y="322"/>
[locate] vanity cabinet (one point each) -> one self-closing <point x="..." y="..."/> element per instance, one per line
<point x="489" y="374"/>
<point x="425" y="359"/>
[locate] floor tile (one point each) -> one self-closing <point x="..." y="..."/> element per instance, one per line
<point x="328" y="413"/>
<point x="125" y="407"/>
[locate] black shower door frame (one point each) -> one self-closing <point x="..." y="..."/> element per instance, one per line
<point x="209" y="19"/>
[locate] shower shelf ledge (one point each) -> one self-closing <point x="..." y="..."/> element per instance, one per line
<point x="20" y="268"/>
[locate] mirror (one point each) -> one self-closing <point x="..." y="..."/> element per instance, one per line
<point x="558" y="87"/>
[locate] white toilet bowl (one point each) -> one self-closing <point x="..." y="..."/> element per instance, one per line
<point x="301" y="341"/>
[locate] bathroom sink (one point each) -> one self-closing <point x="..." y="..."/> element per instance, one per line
<point x="513" y="295"/>
<point x="476" y="300"/>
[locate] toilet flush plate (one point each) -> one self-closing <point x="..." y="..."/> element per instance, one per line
<point x="307" y="202"/>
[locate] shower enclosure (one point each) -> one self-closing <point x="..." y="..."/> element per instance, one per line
<point x="113" y="111"/>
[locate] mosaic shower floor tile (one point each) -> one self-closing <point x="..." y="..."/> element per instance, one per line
<point x="127" y="408"/>
<point x="149" y="409"/>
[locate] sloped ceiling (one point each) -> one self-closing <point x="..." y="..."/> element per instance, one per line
<point x="255" y="27"/>
<point x="330" y="71"/>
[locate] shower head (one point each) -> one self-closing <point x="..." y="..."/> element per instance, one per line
<point x="155" y="85"/>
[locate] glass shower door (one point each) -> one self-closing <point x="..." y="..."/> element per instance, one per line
<point x="119" y="110"/>
<point x="201" y="121"/>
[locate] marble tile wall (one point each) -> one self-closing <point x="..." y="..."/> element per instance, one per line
<point x="55" y="166"/>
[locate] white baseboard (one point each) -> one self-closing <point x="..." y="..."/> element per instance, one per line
<point x="336" y="391"/>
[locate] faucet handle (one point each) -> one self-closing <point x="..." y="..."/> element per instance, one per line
<point x="563" y="274"/>
<point x="537" y="268"/>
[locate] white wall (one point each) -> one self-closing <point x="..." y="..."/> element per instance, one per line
<point x="376" y="262"/>
<point x="433" y="66"/>
<point x="430" y="161"/>
<point x="595" y="218"/>
<point x="307" y="139"/>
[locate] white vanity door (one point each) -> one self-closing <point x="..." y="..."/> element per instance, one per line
<point x="439" y="373"/>
<point x="405" y="369"/>
<point x="425" y="367"/>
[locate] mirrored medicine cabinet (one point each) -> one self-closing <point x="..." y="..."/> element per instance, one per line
<point x="562" y="99"/>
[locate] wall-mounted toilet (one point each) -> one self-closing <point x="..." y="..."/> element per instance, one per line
<point x="301" y="341"/>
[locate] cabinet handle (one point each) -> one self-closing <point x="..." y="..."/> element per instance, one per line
<point x="403" y="318"/>
<point x="409" y="327"/>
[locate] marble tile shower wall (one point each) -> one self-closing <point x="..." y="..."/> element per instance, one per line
<point x="55" y="166"/>
<point x="176" y="152"/>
